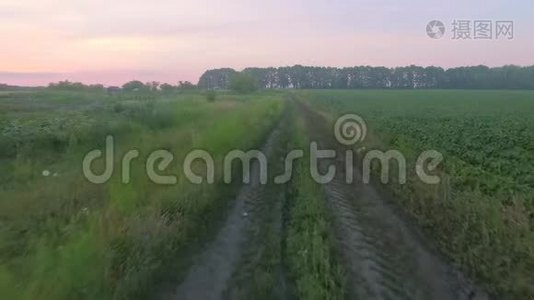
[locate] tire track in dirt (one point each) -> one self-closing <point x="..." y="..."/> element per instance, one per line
<point x="264" y="251"/>
<point x="383" y="256"/>
<point x="210" y="276"/>
<point x="265" y="228"/>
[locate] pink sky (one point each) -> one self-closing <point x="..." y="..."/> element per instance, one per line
<point x="112" y="42"/>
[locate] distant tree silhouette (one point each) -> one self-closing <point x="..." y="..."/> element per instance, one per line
<point x="366" y="77"/>
<point x="243" y="83"/>
<point x="134" y="85"/>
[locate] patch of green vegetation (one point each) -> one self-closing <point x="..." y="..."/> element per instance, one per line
<point x="211" y="95"/>
<point x="481" y="212"/>
<point x="63" y="237"/>
<point x="243" y="83"/>
<point x="312" y="260"/>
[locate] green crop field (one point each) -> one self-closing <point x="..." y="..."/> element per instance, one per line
<point x="482" y="214"/>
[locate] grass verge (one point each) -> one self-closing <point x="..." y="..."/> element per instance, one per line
<point x="312" y="260"/>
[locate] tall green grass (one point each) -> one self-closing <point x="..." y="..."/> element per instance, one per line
<point x="313" y="263"/>
<point x="65" y="238"/>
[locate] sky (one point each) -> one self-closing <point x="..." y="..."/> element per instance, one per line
<point x="111" y="42"/>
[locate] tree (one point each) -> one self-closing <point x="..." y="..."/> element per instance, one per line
<point x="185" y="85"/>
<point x="411" y="77"/>
<point x="134" y="86"/>
<point x="153" y="86"/>
<point x="243" y="83"/>
<point x="75" y="86"/>
<point x="167" y="88"/>
<point x="216" y="79"/>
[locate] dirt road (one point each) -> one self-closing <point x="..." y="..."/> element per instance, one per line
<point x="218" y="272"/>
<point x="384" y="256"/>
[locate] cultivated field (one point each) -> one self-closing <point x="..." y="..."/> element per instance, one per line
<point x="481" y="213"/>
<point x="468" y="237"/>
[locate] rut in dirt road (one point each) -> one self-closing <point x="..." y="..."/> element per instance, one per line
<point x="384" y="257"/>
<point x="211" y="276"/>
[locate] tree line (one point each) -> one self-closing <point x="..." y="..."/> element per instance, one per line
<point x="366" y="77"/>
<point x="130" y="86"/>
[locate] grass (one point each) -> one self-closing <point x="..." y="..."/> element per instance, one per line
<point x="63" y="237"/>
<point x="312" y="261"/>
<point x="481" y="213"/>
